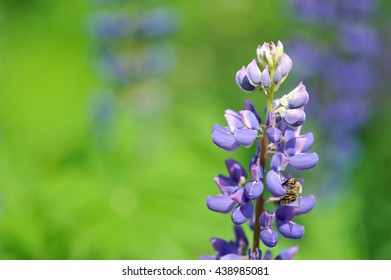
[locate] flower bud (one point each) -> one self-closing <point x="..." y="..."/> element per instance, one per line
<point x="242" y="80"/>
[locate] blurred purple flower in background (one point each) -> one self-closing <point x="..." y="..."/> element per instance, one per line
<point x="343" y="69"/>
<point x="130" y="47"/>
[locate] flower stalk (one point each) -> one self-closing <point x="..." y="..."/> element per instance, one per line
<point x="280" y="133"/>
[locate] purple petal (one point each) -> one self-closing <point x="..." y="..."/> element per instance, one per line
<point x="234" y="120"/>
<point x="291" y="132"/>
<point x="294" y="146"/>
<point x="222" y="247"/>
<point x="249" y="119"/>
<point x="271" y="119"/>
<point x="294" y="117"/>
<point x="242" y="213"/>
<point x="267" y="219"/>
<point x="265" y="79"/>
<point x="240" y="237"/>
<point x="277" y="75"/>
<point x="304" y="161"/>
<point x="307" y="203"/>
<point x="239" y="196"/>
<point x="236" y="171"/>
<point x="253" y="73"/>
<point x="255" y="158"/>
<point x="220" y="203"/>
<point x="245" y="137"/>
<point x="250" y="106"/>
<point x="296" y="98"/>
<point x="269" y="237"/>
<point x="254" y="189"/>
<point x="242" y="80"/>
<point x="288" y="254"/>
<point x="286" y="213"/>
<point x="256" y="171"/>
<point x="231" y="257"/>
<point x="285" y="64"/>
<point x="279" y="162"/>
<point x="223" y="138"/>
<point x="225" y="184"/>
<point x="290" y="229"/>
<point x="309" y="141"/>
<point x="273" y="134"/>
<point x="274" y="183"/>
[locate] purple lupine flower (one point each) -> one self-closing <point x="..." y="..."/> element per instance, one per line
<point x="280" y="135"/>
<point x="157" y="23"/>
<point x="269" y="237"/>
<point x="229" y="250"/>
<point x="242" y="129"/>
<point x="236" y="191"/>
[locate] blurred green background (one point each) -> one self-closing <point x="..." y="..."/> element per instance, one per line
<point x="142" y="196"/>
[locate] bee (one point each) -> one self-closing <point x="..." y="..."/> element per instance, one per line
<point x="294" y="189"/>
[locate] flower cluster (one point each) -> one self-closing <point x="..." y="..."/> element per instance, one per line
<point x="113" y="30"/>
<point x="130" y="53"/>
<point x="279" y="139"/>
<point x="238" y="249"/>
<point x="344" y="74"/>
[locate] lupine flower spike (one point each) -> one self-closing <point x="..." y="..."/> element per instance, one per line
<point x="280" y="137"/>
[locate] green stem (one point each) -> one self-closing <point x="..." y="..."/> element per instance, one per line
<point x="262" y="161"/>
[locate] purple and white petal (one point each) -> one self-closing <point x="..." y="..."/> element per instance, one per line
<point x="293" y="117"/>
<point x="239" y="196"/>
<point x="249" y="119"/>
<point x="225" y="184"/>
<point x="223" y="138"/>
<point x="271" y="119"/>
<point x="277" y="75"/>
<point x="291" y="132"/>
<point x="242" y="80"/>
<point x="242" y="213"/>
<point x="234" y="120"/>
<point x="265" y="78"/>
<point x="296" y="98"/>
<point x="267" y="220"/>
<point x="245" y="137"/>
<point x="285" y="64"/>
<point x="256" y="171"/>
<point x="288" y="254"/>
<point x="254" y="189"/>
<point x="279" y="162"/>
<point x="304" y="161"/>
<point x="290" y="229"/>
<point x="307" y="203"/>
<point x="220" y="203"/>
<point x="294" y="146"/>
<point x="253" y="73"/>
<point x="274" y="183"/>
<point x="273" y="134"/>
<point x="250" y="106"/>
